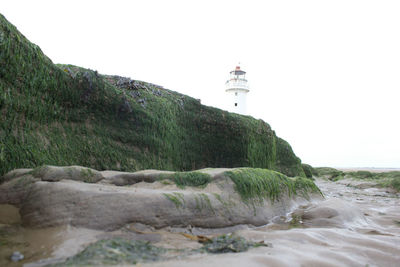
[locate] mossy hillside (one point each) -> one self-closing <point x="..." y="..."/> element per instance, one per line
<point x="65" y="115"/>
<point x="286" y="161"/>
<point x="257" y="185"/>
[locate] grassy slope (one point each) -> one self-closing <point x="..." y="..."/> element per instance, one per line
<point x="66" y="115"/>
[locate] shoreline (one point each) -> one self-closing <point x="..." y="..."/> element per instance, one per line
<point x="370" y="169"/>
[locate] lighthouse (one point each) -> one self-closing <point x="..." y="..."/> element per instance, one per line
<point x="237" y="89"/>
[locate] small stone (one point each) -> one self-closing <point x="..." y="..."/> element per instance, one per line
<point x="17" y="256"/>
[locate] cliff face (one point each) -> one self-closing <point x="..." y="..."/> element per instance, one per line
<point x="67" y="115"/>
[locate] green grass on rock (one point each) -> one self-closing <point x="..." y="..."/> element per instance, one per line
<point x="257" y="185"/>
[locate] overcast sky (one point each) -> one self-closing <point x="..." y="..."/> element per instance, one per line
<point x="324" y="74"/>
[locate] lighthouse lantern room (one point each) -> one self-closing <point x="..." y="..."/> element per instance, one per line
<point x="237" y="89"/>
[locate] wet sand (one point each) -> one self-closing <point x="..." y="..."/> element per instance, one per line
<point x="351" y="227"/>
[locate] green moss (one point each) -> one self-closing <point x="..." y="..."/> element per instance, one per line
<point x="228" y="243"/>
<point x="329" y="173"/>
<point x="219" y="198"/>
<point x="385" y="179"/>
<point x="176" y="198"/>
<point x="39" y="171"/>
<point x="195" y="178"/>
<point x="65" y="115"/>
<point x="395" y="183"/>
<point x="257" y="185"/>
<point x="308" y="170"/>
<point x="88" y="175"/>
<point x="166" y="182"/>
<point x="391" y="181"/>
<point x="203" y="202"/>
<point x="304" y="186"/>
<point x="120" y="251"/>
<point x="115" y="252"/>
<point x="286" y="161"/>
<point x="361" y="175"/>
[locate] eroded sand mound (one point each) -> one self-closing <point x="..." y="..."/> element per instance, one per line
<point x="209" y="198"/>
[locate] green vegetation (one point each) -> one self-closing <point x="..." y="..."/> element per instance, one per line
<point x="115" y="252"/>
<point x="303" y="186"/>
<point x="386" y="179"/>
<point x="176" y="198"/>
<point x="228" y="243"/>
<point x="64" y="115"/>
<point x="194" y="178"/>
<point x="203" y="202"/>
<point x="120" y="251"/>
<point x="87" y="175"/>
<point x="394" y="183"/>
<point x="308" y="170"/>
<point x="361" y="175"/>
<point x="39" y="171"/>
<point x="257" y="185"/>
<point x="286" y="161"/>
<point x="374" y="175"/>
<point x="329" y="173"/>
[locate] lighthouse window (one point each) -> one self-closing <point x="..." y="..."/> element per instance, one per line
<point x="235" y="104"/>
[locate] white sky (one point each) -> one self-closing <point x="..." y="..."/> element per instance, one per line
<point x="324" y="74"/>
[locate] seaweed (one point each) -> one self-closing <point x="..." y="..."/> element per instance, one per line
<point x="115" y="252"/>
<point x="257" y="185"/>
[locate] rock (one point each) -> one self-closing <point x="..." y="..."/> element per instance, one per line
<point x="142" y="102"/>
<point x="126" y="83"/>
<point x="156" y="92"/>
<point x="17" y="256"/>
<point x="77" y="173"/>
<point x="129" y="178"/>
<point x="14" y="191"/>
<point x="125" y="107"/>
<point x="180" y="102"/>
<point x="333" y="212"/>
<point x="89" y="89"/>
<point x="62" y="195"/>
<point x="135" y="94"/>
<point x="14" y="174"/>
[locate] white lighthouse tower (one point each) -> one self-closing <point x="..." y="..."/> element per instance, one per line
<point x="237" y="89"/>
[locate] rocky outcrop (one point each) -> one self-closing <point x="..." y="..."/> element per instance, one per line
<point x="50" y="196"/>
